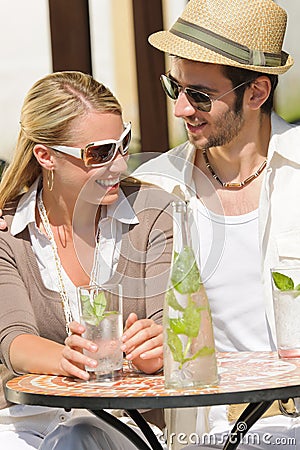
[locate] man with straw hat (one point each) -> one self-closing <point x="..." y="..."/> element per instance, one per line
<point x="240" y="171"/>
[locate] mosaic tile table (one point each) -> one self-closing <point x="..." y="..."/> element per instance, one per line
<point x="255" y="377"/>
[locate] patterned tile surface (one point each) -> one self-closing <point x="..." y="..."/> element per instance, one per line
<point x="242" y="371"/>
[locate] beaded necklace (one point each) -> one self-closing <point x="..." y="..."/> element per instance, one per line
<point x="61" y="286"/>
<point x="232" y="185"/>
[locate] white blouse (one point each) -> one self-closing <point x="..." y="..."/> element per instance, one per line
<point x="110" y="240"/>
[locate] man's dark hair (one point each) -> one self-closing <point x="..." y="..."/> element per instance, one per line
<point x="238" y="76"/>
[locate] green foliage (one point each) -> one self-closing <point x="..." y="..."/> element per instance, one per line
<point x="185" y="278"/>
<point x="172" y="301"/>
<point x="284" y="283"/>
<point x="185" y="274"/>
<point x="94" y="312"/>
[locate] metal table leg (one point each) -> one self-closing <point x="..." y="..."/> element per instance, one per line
<point x="129" y="432"/>
<point x="248" y="418"/>
<point x="145" y="428"/>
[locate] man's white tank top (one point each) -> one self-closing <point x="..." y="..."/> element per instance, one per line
<point x="230" y="267"/>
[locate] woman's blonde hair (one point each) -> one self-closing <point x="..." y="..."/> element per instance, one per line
<point x="48" y="111"/>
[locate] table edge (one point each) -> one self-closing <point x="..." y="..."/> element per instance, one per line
<point x="174" y="401"/>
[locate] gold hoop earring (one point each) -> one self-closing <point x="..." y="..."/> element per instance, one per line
<point x="50" y="179"/>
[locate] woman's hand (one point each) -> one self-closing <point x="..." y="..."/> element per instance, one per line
<point x="3" y="224"/>
<point x="143" y="343"/>
<point x="73" y="360"/>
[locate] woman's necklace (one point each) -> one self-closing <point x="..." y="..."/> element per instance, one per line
<point x="62" y="290"/>
<point x="233" y="185"/>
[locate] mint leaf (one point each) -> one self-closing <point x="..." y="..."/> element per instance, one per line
<point x="172" y="301"/>
<point x="192" y="319"/>
<point x="93" y="312"/>
<point x="87" y="308"/>
<point x="178" y="326"/>
<point x="91" y="320"/>
<point x="283" y="282"/>
<point x="189" y="323"/>
<point x="85" y="298"/>
<point x="185" y="274"/>
<point x="175" y="345"/>
<point x="204" y="351"/>
<point x="99" y="304"/>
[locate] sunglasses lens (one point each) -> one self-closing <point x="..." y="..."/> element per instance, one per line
<point x="126" y="142"/>
<point x="170" y="87"/>
<point x="99" y="154"/>
<point x="203" y="101"/>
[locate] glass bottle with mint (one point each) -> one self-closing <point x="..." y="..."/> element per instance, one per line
<point x="189" y="347"/>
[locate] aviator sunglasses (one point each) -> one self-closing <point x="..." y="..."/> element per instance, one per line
<point x="99" y="153"/>
<point x="202" y="101"/>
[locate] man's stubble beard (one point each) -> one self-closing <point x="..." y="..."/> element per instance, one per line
<point x="228" y="127"/>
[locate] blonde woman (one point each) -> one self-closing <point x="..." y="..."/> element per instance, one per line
<point x="71" y="221"/>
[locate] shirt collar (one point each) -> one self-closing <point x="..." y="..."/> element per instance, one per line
<point x="189" y="166"/>
<point x="121" y="210"/>
<point x="25" y="212"/>
<point x="284" y="140"/>
<point x="182" y="183"/>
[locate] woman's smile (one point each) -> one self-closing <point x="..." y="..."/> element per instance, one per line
<point x="109" y="182"/>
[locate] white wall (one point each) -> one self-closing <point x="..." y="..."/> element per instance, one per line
<point x="288" y="91"/>
<point x="25" y="56"/>
<point x="172" y="10"/>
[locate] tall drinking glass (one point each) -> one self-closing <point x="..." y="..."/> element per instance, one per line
<point x="100" y="310"/>
<point x="286" y="298"/>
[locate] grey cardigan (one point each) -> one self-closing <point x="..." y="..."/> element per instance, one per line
<point x="27" y="307"/>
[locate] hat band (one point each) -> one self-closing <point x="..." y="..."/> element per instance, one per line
<point x="223" y="46"/>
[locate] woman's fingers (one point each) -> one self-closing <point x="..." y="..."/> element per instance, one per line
<point x="143" y="338"/>
<point x="73" y="359"/>
<point x="73" y="370"/>
<point x="141" y="332"/>
<point x="151" y="348"/>
<point x="132" y="318"/>
<point x="79" y="344"/>
<point x="76" y="328"/>
<point x="141" y="327"/>
<point x="143" y="344"/>
<point x="77" y="357"/>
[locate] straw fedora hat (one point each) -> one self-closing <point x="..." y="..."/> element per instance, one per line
<point x="241" y="33"/>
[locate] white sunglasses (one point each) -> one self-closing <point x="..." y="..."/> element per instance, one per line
<point x="99" y="153"/>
